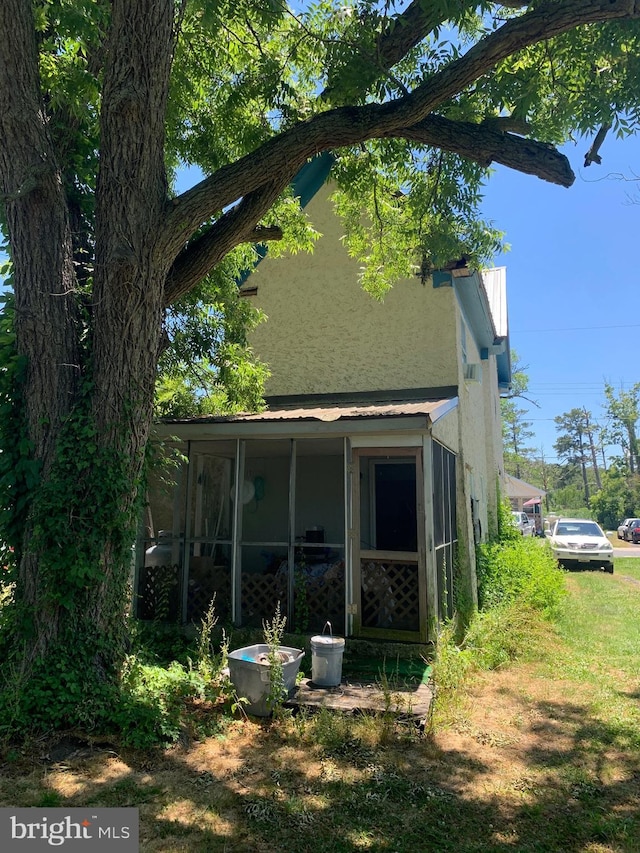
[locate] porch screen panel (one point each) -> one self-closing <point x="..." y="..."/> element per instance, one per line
<point x="264" y="584"/>
<point x="319" y="546"/>
<point x="264" y="497"/>
<point x="210" y="583"/>
<point x="160" y="548"/>
<point x="209" y="529"/>
<point x="445" y="525"/>
<point x="438" y="504"/>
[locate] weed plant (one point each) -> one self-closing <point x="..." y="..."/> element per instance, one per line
<point x="273" y="633"/>
<point x="160" y="703"/>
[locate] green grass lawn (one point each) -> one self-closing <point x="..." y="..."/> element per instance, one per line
<point x="601" y="630"/>
<point x="629" y="566"/>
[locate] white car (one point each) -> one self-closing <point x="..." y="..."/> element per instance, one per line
<point x="524" y="523"/>
<point x="581" y="543"/>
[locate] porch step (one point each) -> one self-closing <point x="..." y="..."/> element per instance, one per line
<point x="412" y="702"/>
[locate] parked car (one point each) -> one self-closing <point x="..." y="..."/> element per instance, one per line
<point x="622" y="529"/>
<point x="524" y="523"/>
<point x="581" y="543"/>
<point x="632" y="533"/>
<point x="627" y="531"/>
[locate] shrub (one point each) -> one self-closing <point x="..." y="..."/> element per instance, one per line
<point x="521" y="571"/>
<point x="150" y="712"/>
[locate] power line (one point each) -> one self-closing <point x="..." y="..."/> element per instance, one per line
<point x="572" y="329"/>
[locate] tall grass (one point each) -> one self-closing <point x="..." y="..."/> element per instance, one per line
<point x="520" y="588"/>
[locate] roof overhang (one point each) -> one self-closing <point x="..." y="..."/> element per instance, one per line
<point x="515" y="488"/>
<point x="483" y="300"/>
<point x="342" y="419"/>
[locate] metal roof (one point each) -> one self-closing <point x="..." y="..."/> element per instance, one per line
<point x="432" y="409"/>
<point x="515" y="488"/>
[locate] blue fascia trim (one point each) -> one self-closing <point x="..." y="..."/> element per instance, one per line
<point x="475" y="307"/>
<point x="312" y="176"/>
<point x="441" y="278"/>
<point x="474" y="304"/>
<point x="305" y="185"/>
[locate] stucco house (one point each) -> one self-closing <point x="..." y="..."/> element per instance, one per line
<point x="358" y="494"/>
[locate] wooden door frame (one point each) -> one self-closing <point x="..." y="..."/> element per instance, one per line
<point x="416" y="452"/>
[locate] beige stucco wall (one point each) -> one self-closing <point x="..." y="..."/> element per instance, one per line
<point x="446" y="430"/>
<point x="325" y="335"/>
<point x="493" y="432"/>
<point x="480" y="438"/>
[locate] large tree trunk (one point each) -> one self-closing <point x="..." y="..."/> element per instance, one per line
<point x="89" y="384"/>
<point x="129" y="272"/>
<point x="47" y="317"/>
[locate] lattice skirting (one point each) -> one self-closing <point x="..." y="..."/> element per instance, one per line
<point x="260" y="597"/>
<point x="158" y="593"/>
<point x="158" y="598"/>
<point x="390" y="595"/>
<point x="319" y="601"/>
<point x="202" y="591"/>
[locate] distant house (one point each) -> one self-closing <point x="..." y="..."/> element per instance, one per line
<point x="525" y="498"/>
<point x="358" y="495"/>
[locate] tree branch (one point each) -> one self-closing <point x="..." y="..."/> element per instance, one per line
<point x="404" y="32"/>
<point x="593" y="154"/>
<point x="485" y="145"/>
<point x="479" y="142"/>
<point x="233" y="228"/>
<point x="280" y="158"/>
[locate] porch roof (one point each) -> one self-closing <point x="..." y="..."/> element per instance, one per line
<point x="430" y="410"/>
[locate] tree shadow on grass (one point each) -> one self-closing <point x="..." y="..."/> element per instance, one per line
<point x="316" y="784"/>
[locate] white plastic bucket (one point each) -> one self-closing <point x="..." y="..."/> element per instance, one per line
<point x="326" y="658"/>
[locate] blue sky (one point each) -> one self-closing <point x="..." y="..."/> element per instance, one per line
<point x="572" y="280"/>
